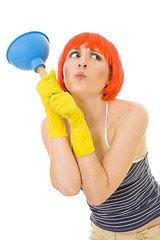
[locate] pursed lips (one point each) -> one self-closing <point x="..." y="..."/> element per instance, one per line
<point x="80" y="75"/>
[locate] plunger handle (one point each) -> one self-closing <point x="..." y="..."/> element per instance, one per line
<point x="41" y="70"/>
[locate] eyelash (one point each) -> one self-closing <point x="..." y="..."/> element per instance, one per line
<point x="97" y="56"/>
<point x="92" y="54"/>
<point x="71" y="54"/>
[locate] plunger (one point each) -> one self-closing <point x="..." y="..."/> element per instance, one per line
<point x="29" y="51"/>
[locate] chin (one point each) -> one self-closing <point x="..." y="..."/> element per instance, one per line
<point x="77" y="89"/>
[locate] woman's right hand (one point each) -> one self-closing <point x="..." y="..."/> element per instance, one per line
<point x="48" y="85"/>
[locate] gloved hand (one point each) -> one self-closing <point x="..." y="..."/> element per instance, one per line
<point x="65" y="106"/>
<point x="47" y="86"/>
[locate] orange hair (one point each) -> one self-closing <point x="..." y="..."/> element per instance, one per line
<point x="106" y="48"/>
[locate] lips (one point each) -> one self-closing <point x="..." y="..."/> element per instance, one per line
<point x="80" y="75"/>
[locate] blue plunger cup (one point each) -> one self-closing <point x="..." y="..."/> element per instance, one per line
<point x="29" y="52"/>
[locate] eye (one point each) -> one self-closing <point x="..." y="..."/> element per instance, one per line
<point x="74" y="54"/>
<point x="96" y="56"/>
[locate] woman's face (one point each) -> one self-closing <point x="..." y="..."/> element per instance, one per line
<point x="85" y="71"/>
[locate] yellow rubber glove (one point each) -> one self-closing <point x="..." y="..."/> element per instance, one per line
<point x="65" y="106"/>
<point x="47" y="86"/>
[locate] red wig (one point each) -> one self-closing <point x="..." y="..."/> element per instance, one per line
<point x="107" y="49"/>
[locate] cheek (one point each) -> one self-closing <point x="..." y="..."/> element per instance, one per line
<point x="103" y="73"/>
<point x="65" y="71"/>
<point x="68" y="69"/>
<point x="67" y="76"/>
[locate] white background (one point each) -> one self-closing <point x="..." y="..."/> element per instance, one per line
<point x="30" y="208"/>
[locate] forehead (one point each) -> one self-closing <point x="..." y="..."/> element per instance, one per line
<point x="96" y="50"/>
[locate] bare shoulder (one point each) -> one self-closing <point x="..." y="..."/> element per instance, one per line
<point x="129" y="110"/>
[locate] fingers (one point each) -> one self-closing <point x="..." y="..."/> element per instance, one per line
<point x="60" y="103"/>
<point x="48" y="86"/>
<point x="53" y="74"/>
<point x="61" y="97"/>
<point x="58" y="100"/>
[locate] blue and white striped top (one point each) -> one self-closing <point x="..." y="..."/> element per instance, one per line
<point x="135" y="203"/>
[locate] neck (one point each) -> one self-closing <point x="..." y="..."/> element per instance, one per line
<point x="92" y="106"/>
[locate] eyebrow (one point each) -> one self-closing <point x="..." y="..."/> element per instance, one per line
<point x="100" y="54"/>
<point x="92" y="50"/>
<point x="73" y="49"/>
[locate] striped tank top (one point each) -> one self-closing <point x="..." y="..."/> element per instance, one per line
<point x="135" y="202"/>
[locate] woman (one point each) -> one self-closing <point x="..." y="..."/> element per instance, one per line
<point x="98" y="143"/>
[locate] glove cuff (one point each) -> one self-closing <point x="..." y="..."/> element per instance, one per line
<point x="55" y="126"/>
<point x="81" y="139"/>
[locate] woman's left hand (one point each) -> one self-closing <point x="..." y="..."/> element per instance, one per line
<point x="64" y="105"/>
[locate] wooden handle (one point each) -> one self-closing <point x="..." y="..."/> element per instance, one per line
<point x="41" y="70"/>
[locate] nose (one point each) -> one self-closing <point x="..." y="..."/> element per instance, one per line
<point x="83" y="60"/>
<point x="82" y="65"/>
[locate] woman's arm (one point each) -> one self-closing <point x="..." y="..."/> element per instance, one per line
<point x="99" y="181"/>
<point x="64" y="170"/>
